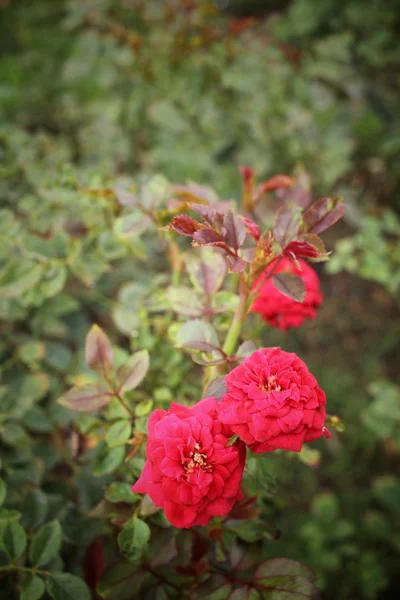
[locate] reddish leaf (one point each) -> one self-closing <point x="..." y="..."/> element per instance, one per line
<point x="185" y="225"/>
<point x="300" y="248"/>
<point x="263" y="256"/>
<point x="216" y="388"/>
<point x="94" y="563"/>
<point x="235" y="231"/>
<point x="86" y="398"/>
<point x="207" y="213"/>
<point x="290" y="285"/>
<point x="125" y="198"/>
<point x="133" y="371"/>
<point x="209" y="237"/>
<point x="247" y="174"/>
<point x="236" y="264"/>
<point x="194" y="192"/>
<point x="99" y="353"/>
<point x="202" y="346"/>
<point x="305" y="249"/>
<point x="245" y="349"/>
<point x="274" y="183"/>
<point x="287" y="223"/>
<point x="300" y="193"/>
<point x="323" y="214"/>
<point x="251" y="228"/>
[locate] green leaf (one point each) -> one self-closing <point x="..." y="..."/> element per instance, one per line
<point x="119" y="433"/>
<point x="46" y="543"/>
<point x="143" y="408"/>
<point x="119" y="581"/>
<point x="133" y="371"/>
<point x="133" y="224"/>
<point x="99" y="353"/>
<point x="34" y="508"/>
<point x="197" y="332"/>
<point x="32" y="352"/>
<point x="185" y="301"/>
<point x="32" y="587"/>
<point x="290" y="285"/>
<point x="5" y="558"/>
<point x="207" y="273"/>
<point x="121" y="492"/>
<point x="108" y="460"/>
<point x="283" y="566"/>
<point x="14" y="539"/>
<point x="3" y="491"/>
<point x="133" y="538"/>
<point x="86" y="398"/>
<point x="54" y="280"/>
<point x="63" y="586"/>
<point x="17" y="277"/>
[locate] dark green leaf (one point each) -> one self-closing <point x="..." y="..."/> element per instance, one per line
<point x="121" y="492"/>
<point x="14" y="539"/>
<point x="34" y="508"/>
<point x="133" y="538"/>
<point x="45" y="543"/>
<point x="120" y="581"/>
<point x="63" y="586"/>
<point x="108" y="460"/>
<point x="3" y="491"/>
<point x="32" y="587"/>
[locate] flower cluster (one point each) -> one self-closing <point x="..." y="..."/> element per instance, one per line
<point x="272" y="401"/>
<point x="281" y="311"/>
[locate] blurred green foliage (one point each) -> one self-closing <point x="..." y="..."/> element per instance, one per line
<point x="100" y="94"/>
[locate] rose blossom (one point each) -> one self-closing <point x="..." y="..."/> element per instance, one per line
<point x="273" y="401"/>
<point x="281" y="311"/>
<point x="190" y="471"/>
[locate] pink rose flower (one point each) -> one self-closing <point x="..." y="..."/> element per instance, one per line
<point x="281" y="311"/>
<point x="273" y="401"/>
<point x="190" y="471"/>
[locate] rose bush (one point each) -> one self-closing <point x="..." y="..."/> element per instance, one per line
<point x="190" y="471"/>
<point x="273" y="402"/>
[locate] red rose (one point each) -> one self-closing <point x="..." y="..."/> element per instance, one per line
<point x="190" y="471"/>
<point x="273" y="402"/>
<point x="281" y="311"/>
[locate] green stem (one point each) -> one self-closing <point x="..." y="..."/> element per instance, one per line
<point x="25" y="570"/>
<point x="232" y="337"/>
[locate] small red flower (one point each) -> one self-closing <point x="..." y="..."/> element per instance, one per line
<point x="281" y="311"/>
<point x="190" y="471"/>
<point x="273" y="401"/>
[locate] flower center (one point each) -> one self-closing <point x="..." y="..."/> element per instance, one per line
<point x="196" y="459"/>
<point x="271" y="385"/>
